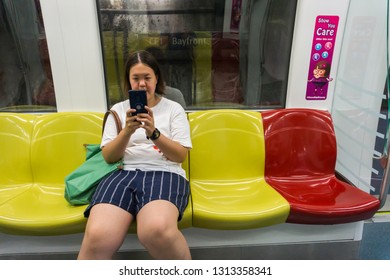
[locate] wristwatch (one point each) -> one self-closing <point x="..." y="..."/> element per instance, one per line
<point x="155" y="135"/>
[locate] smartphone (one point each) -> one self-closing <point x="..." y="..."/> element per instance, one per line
<point x="137" y="99"/>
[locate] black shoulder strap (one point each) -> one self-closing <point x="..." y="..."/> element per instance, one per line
<point x="117" y="120"/>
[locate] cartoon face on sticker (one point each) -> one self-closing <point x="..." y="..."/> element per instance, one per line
<point x="321" y="76"/>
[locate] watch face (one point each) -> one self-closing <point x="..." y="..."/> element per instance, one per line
<point x="155" y="134"/>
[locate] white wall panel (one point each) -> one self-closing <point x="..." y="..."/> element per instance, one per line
<point x="75" y="52"/>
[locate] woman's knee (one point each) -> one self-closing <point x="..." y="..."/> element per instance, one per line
<point x="157" y="224"/>
<point x="158" y="233"/>
<point x="95" y="235"/>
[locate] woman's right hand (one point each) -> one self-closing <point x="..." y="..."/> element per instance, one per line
<point x="131" y="122"/>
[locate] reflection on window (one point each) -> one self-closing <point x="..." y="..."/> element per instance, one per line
<point x="218" y="53"/>
<point x="25" y="74"/>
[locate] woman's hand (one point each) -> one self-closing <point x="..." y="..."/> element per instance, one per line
<point x="114" y="150"/>
<point x="147" y="121"/>
<point x="172" y="150"/>
<point x="132" y="122"/>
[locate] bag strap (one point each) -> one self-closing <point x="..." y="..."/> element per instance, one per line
<point x="116" y="118"/>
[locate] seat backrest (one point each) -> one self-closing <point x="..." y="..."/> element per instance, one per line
<point x="299" y="142"/>
<point x="57" y="144"/>
<point x="227" y="145"/>
<point x="15" y="138"/>
<point x="186" y="164"/>
<point x="175" y="95"/>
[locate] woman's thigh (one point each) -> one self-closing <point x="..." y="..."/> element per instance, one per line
<point x="108" y="223"/>
<point x="158" y="213"/>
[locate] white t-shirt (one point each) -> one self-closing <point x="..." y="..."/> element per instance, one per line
<point x="141" y="153"/>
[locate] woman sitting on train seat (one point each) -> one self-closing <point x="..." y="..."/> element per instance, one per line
<point x="152" y="187"/>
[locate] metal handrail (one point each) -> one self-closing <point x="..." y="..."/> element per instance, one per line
<point x="385" y="185"/>
<point x="199" y="10"/>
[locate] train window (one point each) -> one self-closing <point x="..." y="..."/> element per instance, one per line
<point x="218" y="53"/>
<point x="26" y="82"/>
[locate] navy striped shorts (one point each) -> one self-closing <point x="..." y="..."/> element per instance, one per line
<point x="131" y="190"/>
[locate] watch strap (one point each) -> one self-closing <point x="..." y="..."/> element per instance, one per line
<point x="155" y="135"/>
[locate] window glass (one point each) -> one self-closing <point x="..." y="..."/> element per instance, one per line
<point x="218" y="53"/>
<point x="25" y="74"/>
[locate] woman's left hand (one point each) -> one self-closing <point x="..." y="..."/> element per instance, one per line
<point x="171" y="149"/>
<point x="147" y="121"/>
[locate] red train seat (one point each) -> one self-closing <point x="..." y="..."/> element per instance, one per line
<point x="301" y="152"/>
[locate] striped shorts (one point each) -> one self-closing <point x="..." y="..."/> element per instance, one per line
<point x="131" y="190"/>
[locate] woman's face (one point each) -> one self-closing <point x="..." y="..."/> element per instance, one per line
<point x="142" y="77"/>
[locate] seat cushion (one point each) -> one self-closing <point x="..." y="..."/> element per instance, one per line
<point x="41" y="210"/>
<point x="325" y="200"/>
<point x="244" y="204"/>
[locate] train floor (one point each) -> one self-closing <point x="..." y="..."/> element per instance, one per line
<point x="375" y="244"/>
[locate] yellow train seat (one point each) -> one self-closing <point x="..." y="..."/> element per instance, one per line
<point x="15" y="138"/>
<point x="227" y="172"/>
<point x="56" y="149"/>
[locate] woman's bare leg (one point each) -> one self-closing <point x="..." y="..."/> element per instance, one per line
<point x="158" y="232"/>
<point x="106" y="230"/>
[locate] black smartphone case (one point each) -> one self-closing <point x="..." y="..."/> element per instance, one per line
<point x="137" y="99"/>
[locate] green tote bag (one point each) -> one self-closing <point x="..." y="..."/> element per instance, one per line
<point x="81" y="184"/>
